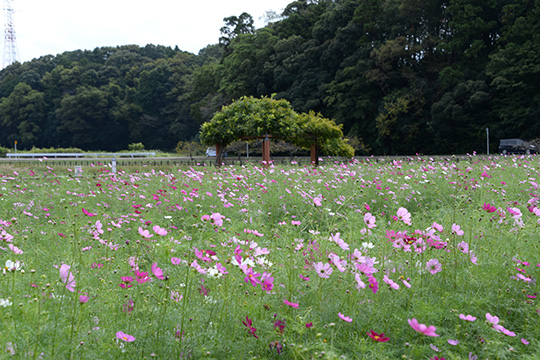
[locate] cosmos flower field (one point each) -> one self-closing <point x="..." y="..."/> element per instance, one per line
<point x="415" y="258"/>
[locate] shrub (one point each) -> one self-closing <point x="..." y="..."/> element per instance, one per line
<point x="36" y="150"/>
<point x="4" y="151"/>
<point x="136" y="146"/>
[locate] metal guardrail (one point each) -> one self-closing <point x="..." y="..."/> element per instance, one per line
<point x="79" y="155"/>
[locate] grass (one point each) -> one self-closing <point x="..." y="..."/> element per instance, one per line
<point x="276" y="225"/>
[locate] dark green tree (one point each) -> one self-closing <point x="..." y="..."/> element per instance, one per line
<point x="22" y="116"/>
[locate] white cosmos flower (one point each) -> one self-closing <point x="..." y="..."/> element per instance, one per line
<point x="12" y="266"/>
<point x="5" y="302"/>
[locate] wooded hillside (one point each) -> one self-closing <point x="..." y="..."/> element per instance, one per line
<point x="405" y="76"/>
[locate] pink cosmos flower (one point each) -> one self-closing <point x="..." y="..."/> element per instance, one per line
<point x="291" y="304"/>
<point x="67" y="277"/>
<point x="159" y="230"/>
<point x="421" y="328"/>
<point x="524" y="278"/>
<point x="404" y="215"/>
<point x="142" y="277"/>
<point x="524" y="341"/>
<point x="457" y="230"/>
<point x="359" y="283"/>
<point x="145" y="233"/>
<point x="473" y="258"/>
<point x="267" y="281"/>
<point x="125" y="337"/>
<point x="296" y="222"/>
<point x="323" y="270"/>
<point x="344" y="318"/>
<point x="251" y="277"/>
<point x="369" y="220"/>
<point x="157" y="271"/>
<point x="463" y="247"/>
<point x="87" y="213"/>
<point x="222" y="269"/>
<point x="507" y="332"/>
<point x="489" y="208"/>
<point x="493" y="320"/>
<point x="198" y="267"/>
<point x="390" y="282"/>
<point x="342" y="244"/>
<point x="515" y="212"/>
<point x="467" y="317"/>
<point x="339" y="264"/>
<point x="217" y="219"/>
<point x="127" y="279"/>
<point x="15" y="249"/>
<point x="453" y="342"/>
<point x="176" y="261"/>
<point x="83" y="299"/>
<point x="434" y="266"/>
<point x="176" y="296"/>
<point x="317" y="201"/>
<point x="437" y="227"/>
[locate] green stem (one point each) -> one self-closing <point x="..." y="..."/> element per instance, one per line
<point x="56" y="323"/>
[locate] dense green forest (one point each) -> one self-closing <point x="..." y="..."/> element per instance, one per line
<point x="403" y="76"/>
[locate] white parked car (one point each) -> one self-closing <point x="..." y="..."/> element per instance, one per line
<point x="211" y="151"/>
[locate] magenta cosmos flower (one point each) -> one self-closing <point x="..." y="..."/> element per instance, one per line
<point x="125" y="337"/>
<point x="489" y="208"/>
<point x="377" y="337"/>
<point x="291" y="304"/>
<point x="423" y="329"/>
<point x="248" y="323"/>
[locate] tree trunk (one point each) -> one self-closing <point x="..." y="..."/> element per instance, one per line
<point x="266" y="152"/>
<point x="314" y="155"/>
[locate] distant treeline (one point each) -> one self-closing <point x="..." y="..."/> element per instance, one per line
<point x="402" y="76"/>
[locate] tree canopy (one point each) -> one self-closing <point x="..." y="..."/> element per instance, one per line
<point x="249" y="118"/>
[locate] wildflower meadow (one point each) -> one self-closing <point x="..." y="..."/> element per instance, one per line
<point x="415" y="258"/>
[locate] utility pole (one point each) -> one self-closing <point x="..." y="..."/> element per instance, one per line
<point x="487" y="135"/>
<point x="11" y="53"/>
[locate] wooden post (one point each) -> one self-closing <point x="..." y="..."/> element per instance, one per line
<point x="266" y="151"/>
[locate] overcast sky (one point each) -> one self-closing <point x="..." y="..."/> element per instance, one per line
<point x="50" y="27"/>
